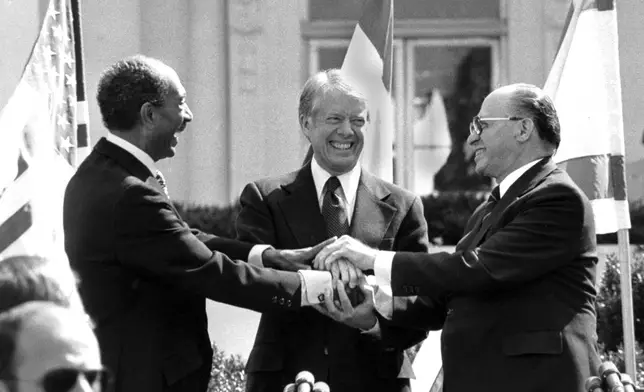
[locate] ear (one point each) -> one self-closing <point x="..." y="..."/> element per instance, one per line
<point x="526" y="128"/>
<point x="305" y="126"/>
<point x="146" y="114"/>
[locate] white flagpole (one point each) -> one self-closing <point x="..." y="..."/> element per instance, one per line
<point x="628" y="319"/>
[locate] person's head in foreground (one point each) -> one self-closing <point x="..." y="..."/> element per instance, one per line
<point x="516" y="125"/>
<point x="48" y="348"/>
<point x="143" y="101"/>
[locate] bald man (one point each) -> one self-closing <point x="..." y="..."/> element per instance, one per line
<point x="516" y="301"/>
<point x="46" y="347"/>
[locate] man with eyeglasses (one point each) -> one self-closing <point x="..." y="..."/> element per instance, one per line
<point x="48" y="348"/>
<point x="517" y="297"/>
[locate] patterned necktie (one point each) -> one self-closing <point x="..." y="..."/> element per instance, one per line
<point x="495" y="196"/>
<point x="333" y="210"/>
<point x="161" y="180"/>
<point x="473" y="237"/>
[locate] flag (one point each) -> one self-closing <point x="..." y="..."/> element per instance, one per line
<point x="584" y="83"/>
<point x="368" y="65"/>
<point x="38" y="129"/>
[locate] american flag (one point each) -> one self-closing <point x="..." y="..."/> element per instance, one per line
<point x="38" y="127"/>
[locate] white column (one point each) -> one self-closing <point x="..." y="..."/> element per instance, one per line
<point x="525" y="41"/>
<point x="265" y="69"/>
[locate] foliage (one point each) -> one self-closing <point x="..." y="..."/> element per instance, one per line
<point x="227" y="374"/>
<point x="446" y="214"/>
<point x="609" y="302"/>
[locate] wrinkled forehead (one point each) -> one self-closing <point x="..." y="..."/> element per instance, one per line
<point x="340" y="102"/>
<point x="497" y="104"/>
<point x="50" y="342"/>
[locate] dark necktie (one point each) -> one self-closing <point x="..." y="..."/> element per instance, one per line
<point x="161" y="181"/>
<point x="472" y="238"/>
<point x="333" y="211"/>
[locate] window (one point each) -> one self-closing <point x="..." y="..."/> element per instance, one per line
<point x="447" y="58"/>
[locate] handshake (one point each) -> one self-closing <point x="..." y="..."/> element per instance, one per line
<point x="345" y="258"/>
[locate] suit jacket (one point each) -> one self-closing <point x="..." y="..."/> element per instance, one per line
<point x="519" y="293"/>
<point x="285" y="212"/>
<point x="145" y="275"/>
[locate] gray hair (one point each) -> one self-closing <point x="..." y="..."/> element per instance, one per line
<point x="318" y="85"/>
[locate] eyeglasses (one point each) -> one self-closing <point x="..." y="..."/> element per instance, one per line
<point x="64" y="380"/>
<point x="476" y="126"/>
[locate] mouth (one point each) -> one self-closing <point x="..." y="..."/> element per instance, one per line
<point x="341" y="146"/>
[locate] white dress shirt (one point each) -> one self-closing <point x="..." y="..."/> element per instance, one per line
<point x="384" y="259"/>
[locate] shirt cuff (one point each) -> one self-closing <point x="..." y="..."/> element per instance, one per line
<point x="315" y="286"/>
<point x="255" y="255"/>
<point x="383" y="300"/>
<point x="382" y="267"/>
<point x="375" y="331"/>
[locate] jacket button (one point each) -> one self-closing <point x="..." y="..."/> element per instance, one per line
<point x="326" y="351"/>
<point x="281" y="301"/>
<point x="450" y="311"/>
<point x="288" y="303"/>
<point x="274" y="299"/>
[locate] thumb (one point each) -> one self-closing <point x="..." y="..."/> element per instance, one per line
<point x="314" y="250"/>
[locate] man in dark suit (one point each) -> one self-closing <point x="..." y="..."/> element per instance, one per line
<point x="516" y="299"/>
<point x="144" y="273"/>
<point x="298" y="210"/>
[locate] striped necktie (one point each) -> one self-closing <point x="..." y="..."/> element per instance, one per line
<point x="333" y="210"/>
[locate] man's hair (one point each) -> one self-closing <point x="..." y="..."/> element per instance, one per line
<point x="125" y="86"/>
<point x="530" y="101"/>
<point x="26" y="278"/>
<point x="323" y="82"/>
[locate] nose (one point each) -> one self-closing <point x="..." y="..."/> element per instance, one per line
<point x="345" y="128"/>
<point x="188" y="114"/>
<point x="472" y="138"/>
<point x="82" y="385"/>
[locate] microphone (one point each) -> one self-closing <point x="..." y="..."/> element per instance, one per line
<point x="321" y="386"/>
<point x="304" y="381"/>
<point x="629" y="385"/>
<point x="611" y="377"/>
<point x="593" y="384"/>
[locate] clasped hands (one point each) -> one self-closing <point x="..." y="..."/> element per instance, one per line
<point x="345" y="258"/>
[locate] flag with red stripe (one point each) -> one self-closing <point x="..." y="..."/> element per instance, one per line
<point x="584" y="83"/>
<point x="38" y="128"/>
<point x="368" y="64"/>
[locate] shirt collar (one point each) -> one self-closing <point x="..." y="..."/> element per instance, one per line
<point x="349" y="180"/>
<point x="512" y="177"/>
<point x="139" y="154"/>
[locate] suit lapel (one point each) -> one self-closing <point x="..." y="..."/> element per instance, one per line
<point x="130" y="163"/>
<point x="301" y="209"/>
<point x="524" y="184"/>
<point x="371" y="215"/>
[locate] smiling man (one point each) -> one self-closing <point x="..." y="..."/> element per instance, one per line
<point x="331" y="196"/>
<point x="519" y="291"/>
<point x="144" y="274"/>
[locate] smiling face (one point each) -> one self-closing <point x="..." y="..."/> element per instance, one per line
<point x="496" y="149"/>
<point x="168" y="120"/>
<point x="336" y="129"/>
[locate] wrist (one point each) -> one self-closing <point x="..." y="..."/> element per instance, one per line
<point x="368" y="323"/>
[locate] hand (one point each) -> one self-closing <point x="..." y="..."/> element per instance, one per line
<point x="362" y="316"/>
<point x="348" y="248"/>
<point x="342" y="270"/>
<point x="293" y="259"/>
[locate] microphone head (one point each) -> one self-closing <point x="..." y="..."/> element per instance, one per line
<point x="289" y="388"/>
<point x="321" y="386"/>
<point x="607" y="368"/>
<point x="304" y="376"/>
<point x="592" y="383"/>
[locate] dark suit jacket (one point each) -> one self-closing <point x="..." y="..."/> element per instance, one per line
<point x="520" y="301"/>
<point x="285" y="212"/>
<point x="145" y="275"/>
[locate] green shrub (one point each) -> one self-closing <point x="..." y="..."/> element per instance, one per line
<point x="446" y="215"/>
<point x="227" y="374"/>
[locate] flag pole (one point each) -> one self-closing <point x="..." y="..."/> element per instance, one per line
<point x="82" y="113"/>
<point x="628" y="319"/>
